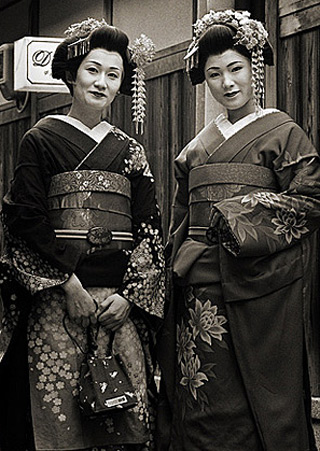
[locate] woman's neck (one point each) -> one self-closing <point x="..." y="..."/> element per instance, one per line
<point x="236" y="115"/>
<point x="88" y="118"/>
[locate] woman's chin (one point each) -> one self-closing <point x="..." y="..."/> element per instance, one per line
<point x="97" y="101"/>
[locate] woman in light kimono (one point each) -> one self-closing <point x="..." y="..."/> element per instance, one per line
<point x="83" y="241"/>
<point x="244" y="215"/>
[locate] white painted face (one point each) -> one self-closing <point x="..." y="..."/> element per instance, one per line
<point x="98" y="79"/>
<point x="229" y="76"/>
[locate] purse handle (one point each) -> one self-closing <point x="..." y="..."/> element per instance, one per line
<point x="92" y="336"/>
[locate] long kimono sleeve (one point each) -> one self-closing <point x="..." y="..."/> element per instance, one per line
<point x="144" y="280"/>
<point x="31" y="249"/>
<point x="179" y="211"/>
<point x="264" y="222"/>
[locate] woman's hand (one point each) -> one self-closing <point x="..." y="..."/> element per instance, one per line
<point x="80" y="305"/>
<point x="113" y="311"/>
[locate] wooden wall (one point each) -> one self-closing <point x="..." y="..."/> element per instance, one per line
<point x="298" y="15"/>
<point x="298" y="69"/>
<point x="297" y="78"/>
<point x="170" y="121"/>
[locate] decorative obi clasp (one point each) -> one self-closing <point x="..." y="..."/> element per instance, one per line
<point x="212" y="183"/>
<point x="92" y="209"/>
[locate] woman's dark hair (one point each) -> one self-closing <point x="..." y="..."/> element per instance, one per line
<point x="106" y="37"/>
<point x="216" y="40"/>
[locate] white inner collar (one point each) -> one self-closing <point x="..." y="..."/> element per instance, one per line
<point x="228" y="129"/>
<point x="97" y="133"/>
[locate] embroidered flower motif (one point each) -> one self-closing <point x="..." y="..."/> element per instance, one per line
<point x="215" y="193"/>
<point x="265" y="198"/>
<point x="28" y="268"/>
<point x="136" y="160"/>
<point x="145" y="278"/>
<point x="206" y="323"/>
<point x="290" y="223"/>
<point x="86" y="181"/>
<point x="192" y="377"/>
<point x="185" y="344"/>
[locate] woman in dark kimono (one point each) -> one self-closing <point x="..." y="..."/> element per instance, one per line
<point x="247" y="203"/>
<point x="82" y="237"/>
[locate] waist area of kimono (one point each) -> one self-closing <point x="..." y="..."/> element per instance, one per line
<point x="91" y="209"/>
<point x="212" y="183"/>
<point x="98" y="236"/>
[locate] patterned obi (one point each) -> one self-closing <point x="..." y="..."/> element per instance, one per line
<point x="212" y="183"/>
<point x="92" y="209"/>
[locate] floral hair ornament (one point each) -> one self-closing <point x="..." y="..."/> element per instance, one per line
<point x="141" y="53"/>
<point x="249" y="33"/>
<point x="82" y="30"/>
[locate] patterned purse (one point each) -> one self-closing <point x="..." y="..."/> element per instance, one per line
<point x="104" y="384"/>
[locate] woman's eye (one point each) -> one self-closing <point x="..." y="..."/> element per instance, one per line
<point x="92" y="69"/>
<point x="236" y="68"/>
<point x="113" y="75"/>
<point x="214" y="75"/>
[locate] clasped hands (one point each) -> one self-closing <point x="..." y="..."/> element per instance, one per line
<point x="111" y="313"/>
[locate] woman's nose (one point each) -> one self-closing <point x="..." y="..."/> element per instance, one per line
<point x="101" y="81"/>
<point x="227" y="81"/>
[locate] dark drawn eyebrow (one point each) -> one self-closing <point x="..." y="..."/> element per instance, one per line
<point x="99" y="64"/>
<point x="228" y="65"/>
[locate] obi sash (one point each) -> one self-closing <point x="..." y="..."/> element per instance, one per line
<point x="215" y="182"/>
<point x="91" y="208"/>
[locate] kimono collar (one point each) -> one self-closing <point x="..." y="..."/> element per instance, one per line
<point x="97" y="133"/>
<point x="228" y="129"/>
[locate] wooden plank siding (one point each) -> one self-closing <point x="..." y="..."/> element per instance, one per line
<point x="289" y="86"/>
<point x="296" y="16"/>
<point x="309" y="52"/>
<point x="170" y="120"/>
<point x="271" y="82"/>
<point x="298" y="83"/>
<point x="291" y="6"/>
<point x="170" y="125"/>
<point x="310" y="84"/>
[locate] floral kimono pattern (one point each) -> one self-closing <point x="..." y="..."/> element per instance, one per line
<point x="244" y="216"/>
<point x="37" y="260"/>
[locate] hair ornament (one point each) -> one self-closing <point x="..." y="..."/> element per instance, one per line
<point x="142" y="52"/>
<point x="250" y="33"/>
<point x="82" y="30"/>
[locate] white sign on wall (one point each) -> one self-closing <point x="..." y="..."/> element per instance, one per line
<point x="32" y="65"/>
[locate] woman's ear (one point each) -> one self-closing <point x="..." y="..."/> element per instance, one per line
<point x="70" y="78"/>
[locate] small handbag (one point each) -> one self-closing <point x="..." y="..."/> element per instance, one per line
<point x="104" y="384"/>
